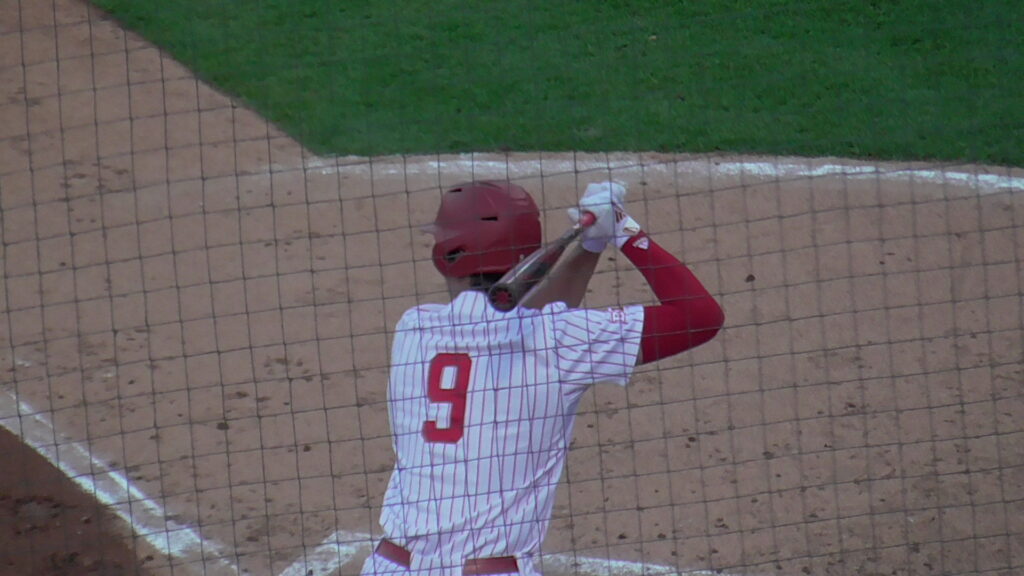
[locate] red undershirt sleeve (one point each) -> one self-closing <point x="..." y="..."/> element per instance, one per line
<point x="688" y="315"/>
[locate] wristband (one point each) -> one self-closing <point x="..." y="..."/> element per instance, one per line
<point x="625" y="229"/>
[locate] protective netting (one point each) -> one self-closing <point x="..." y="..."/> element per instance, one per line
<point x="196" y="318"/>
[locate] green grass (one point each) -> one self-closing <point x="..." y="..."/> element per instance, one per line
<point x="865" y="78"/>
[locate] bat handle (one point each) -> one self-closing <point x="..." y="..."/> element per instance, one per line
<point x="506" y="295"/>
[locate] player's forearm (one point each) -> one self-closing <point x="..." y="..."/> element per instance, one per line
<point x="688" y="315"/>
<point x="567" y="282"/>
<point x="670" y="279"/>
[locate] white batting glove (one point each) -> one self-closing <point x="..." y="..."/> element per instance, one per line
<point x="605" y="201"/>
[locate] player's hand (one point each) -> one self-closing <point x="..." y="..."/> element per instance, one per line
<point x="605" y="201"/>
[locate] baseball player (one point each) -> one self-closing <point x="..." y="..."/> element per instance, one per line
<point x="482" y="402"/>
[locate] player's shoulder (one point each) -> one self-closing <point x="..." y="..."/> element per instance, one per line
<point x="608" y="315"/>
<point x="420" y="315"/>
<point x="556" y="308"/>
<point x="562" y="309"/>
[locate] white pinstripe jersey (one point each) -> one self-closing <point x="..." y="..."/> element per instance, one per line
<point x="482" y="405"/>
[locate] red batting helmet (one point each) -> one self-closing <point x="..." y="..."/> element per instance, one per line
<point x="484" y="227"/>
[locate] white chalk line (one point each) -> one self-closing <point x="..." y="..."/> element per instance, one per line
<point x="183" y="545"/>
<point x="983" y="182"/>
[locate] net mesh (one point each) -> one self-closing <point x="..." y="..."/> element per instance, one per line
<point x="196" y="312"/>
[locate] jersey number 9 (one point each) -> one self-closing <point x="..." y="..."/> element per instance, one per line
<point x="448" y="383"/>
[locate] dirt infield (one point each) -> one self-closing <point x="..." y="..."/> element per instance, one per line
<point x="195" y="317"/>
<point x="49" y="526"/>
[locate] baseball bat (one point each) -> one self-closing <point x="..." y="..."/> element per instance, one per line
<point x="508" y="291"/>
